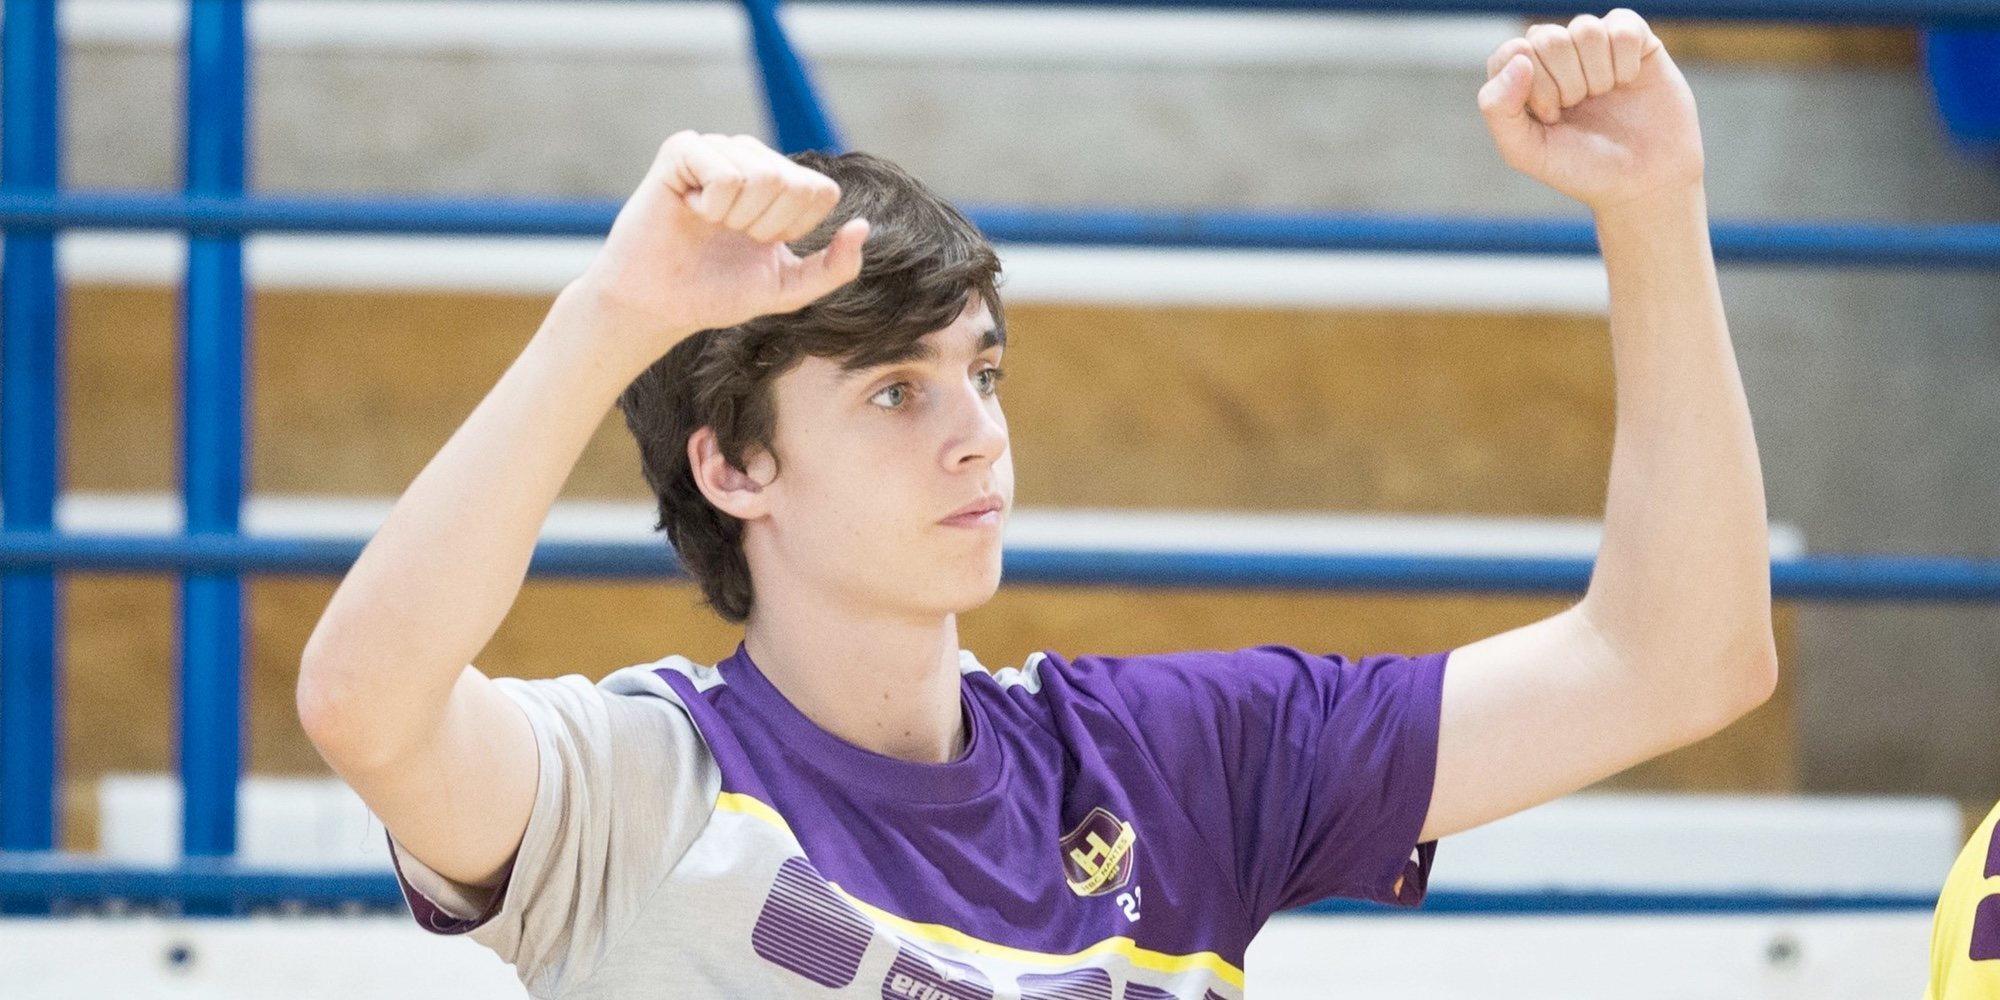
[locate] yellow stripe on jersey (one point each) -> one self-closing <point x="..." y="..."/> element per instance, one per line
<point x="1965" y="935"/>
<point x="1144" y="958"/>
<point x="737" y="802"/>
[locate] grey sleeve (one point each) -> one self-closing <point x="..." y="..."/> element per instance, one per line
<point x="625" y="785"/>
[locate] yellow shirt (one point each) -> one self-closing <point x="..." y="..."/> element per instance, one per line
<point x="1965" y="937"/>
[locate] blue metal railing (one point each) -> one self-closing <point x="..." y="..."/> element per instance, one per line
<point x="211" y="555"/>
<point x="212" y="398"/>
<point x="1820" y="578"/>
<point x="222" y="885"/>
<point x="1965" y="245"/>
<point x="29" y="429"/>
<point x="1941" y="13"/>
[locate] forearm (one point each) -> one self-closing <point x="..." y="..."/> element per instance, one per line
<point x="1683" y="573"/>
<point x="433" y="585"/>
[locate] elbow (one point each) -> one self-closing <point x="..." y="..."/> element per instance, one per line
<point x="348" y="737"/>
<point x="1743" y="677"/>
<point x="329" y="706"/>
<point x="317" y="701"/>
<point x="332" y="690"/>
<point x="366" y="716"/>
<point x="315" y="693"/>
<point x="1755" y="668"/>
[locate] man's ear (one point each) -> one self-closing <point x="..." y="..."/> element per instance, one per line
<point x="738" y="493"/>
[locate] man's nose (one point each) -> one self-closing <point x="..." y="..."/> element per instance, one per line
<point x="979" y="429"/>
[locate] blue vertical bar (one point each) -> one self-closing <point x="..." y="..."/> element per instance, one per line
<point x="1964" y="69"/>
<point x="30" y="428"/>
<point x="796" y="113"/>
<point x="212" y="435"/>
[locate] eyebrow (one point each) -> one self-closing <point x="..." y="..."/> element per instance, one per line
<point x="925" y="351"/>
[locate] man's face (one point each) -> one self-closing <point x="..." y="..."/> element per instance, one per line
<point x="873" y="463"/>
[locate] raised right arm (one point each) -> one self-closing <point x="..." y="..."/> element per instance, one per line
<point x="385" y="688"/>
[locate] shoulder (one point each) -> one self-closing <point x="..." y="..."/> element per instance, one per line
<point x="634" y="709"/>
<point x="1243" y="694"/>
<point x="640" y="685"/>
<point x="1269" y="669"/>
<point x="1140" y="690"/>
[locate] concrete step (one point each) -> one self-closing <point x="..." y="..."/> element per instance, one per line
<point x="1034" y="106"/>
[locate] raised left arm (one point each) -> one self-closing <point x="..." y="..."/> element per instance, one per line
<point x="1672" y="640"/>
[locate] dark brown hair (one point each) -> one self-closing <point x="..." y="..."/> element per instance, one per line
<point x="922" y="263"/>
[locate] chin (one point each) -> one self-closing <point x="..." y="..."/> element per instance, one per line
<point x="960" y="596"/>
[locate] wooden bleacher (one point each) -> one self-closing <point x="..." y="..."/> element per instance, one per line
<point x="1108" y="406"/>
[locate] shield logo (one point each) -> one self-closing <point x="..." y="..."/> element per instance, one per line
<point x="1097" y="855"/>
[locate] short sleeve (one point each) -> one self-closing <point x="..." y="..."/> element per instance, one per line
<point x="624" y="786"/>
<point x="1310" y="775"/>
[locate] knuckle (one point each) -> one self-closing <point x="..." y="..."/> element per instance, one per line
<point x="802" y="197"/>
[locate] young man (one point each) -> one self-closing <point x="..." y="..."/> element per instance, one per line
<point x="850" y="805"/>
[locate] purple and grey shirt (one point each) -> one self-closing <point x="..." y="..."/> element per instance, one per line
<point x="1117" y="827"/>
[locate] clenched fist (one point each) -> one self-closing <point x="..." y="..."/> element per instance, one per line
<point x="701" y="244"/>
<point x="1596" y="110"/>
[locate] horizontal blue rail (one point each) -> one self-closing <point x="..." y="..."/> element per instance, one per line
<point x="1815" y="11"/>
<point x="1966" y="245"/>
<point x="221" y="884"/>
<point x="1819" y="577"/>
<point x="1931" y="246"/>
<point x="54" y="882"/>
<point x="271" y="213"/>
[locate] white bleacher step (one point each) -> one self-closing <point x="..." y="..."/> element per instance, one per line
<point x="1321" y="533"/>
<point x="1033" y="274"/>
<point x="1603" y="841"/>
<point x="1005" y="33"/>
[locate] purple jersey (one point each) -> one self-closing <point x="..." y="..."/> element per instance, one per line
<point x="1116" y="827"/>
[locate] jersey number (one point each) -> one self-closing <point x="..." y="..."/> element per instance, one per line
<point x="1129" y="902"/>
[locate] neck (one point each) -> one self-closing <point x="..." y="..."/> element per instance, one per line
<point x="888" y="685"/>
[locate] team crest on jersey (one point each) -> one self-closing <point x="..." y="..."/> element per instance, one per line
<point x="1097" y="855"/>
